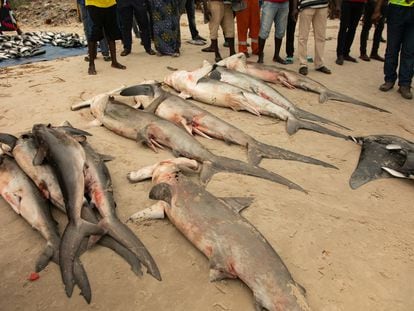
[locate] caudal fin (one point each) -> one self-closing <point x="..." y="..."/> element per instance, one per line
<point x="71" y="241"/>
<point x="293" y="125"/>
<point x="239" y="167"/>
<point x="305" y="115"/>
<point x="257" y="151"/>
<point x="127" y="238"/>
<point x="329" y="94"/>
<point x="109" y="242"/>
<point x="122" y="251"/>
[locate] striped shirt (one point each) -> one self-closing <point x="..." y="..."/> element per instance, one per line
<point x="313" y="4"/>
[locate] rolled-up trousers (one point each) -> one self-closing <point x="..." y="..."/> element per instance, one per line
<point x="248" y="22"/>
<point x="221" y="15"/>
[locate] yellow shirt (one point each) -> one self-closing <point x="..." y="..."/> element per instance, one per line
<point x="100" y="3"/>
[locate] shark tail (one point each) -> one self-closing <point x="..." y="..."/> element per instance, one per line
<point x="305" y="115"/>
<point x="327" y="95"/>
<point x="293" y="125"/>
<point x="258" y="151"/>
<point x="218" y="164"/>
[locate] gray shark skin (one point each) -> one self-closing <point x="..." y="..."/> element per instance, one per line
<point x="147" y="128"/>
<point x="199" y="121"/>
<point x="290" y="79"/>
<point x="250" y="83"/>
<point x="26" y="200"/>
<point x="210" y="91"/>
<point x="24" y="150"/>
<point x="234" y="247"/>
<point x="67" y="158"/>
<point x="376" y="154"/>
<point x="99" y="188"/>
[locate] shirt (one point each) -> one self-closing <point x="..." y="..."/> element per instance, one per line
<point x="313" y="4"/>
<point x="101" y="3"/>
<point x="276" y="1"/>
<point x="402" y="2"/>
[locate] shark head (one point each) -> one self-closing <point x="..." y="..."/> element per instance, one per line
<point x="235" y="62"/>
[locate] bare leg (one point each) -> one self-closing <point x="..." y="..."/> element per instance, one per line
<point x="92" y="56"/>
<point x="112" y="50"/>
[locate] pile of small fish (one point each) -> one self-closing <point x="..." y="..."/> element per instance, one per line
<point x="56" y="164"/>
<point x="29" y="44"/>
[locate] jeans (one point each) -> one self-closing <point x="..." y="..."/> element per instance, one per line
<point x="369" y="10"/>
<point x="87" y="28"/>
<point x="190" y="9"/>
<point x="351" y="13"/>
<point x="400" y="42"/>
<point x="276" y="12"/>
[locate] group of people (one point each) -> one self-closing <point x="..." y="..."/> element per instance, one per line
<point x="159" y="21"/>
<point x="254" y="19"/>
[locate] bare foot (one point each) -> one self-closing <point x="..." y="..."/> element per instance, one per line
<point x="118" y="65"/>
<point x="92" y="70"/>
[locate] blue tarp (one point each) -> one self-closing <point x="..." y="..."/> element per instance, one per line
<point x="52" y="52"/>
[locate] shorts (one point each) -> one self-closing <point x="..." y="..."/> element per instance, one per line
<point x="103" y="20"/>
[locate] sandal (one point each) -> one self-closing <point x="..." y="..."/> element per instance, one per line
<point x="289" y="60"/>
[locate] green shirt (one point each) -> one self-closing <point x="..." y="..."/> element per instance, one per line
<point x="402" y="2"/>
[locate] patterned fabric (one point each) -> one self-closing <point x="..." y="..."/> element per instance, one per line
<point x="7" y="20"/>
<point x="166" y="26"/>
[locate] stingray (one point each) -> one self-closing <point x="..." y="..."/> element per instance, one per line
<point x="383" y="156"/>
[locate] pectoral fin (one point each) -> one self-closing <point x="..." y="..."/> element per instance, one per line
<point x="40" y="156"/>
<point x="155" y="211"/>
<point x="162" y="192"/>
<point x="237" y="203"/>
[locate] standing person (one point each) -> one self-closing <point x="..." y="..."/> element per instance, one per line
<point x="127" y="10"/>
<point x="165" y="16"/>
<point x="273" y="11"/>
<point x="195" y="36"/>
<point x="7" y="20"/>
<point x="219" y="13"/>
<point x="103" y="16"/>
<point x="248" y="21"/>
<point x="290" y="34"/>
<point x="379" y="27"/>
<point x="315" y="13"/>
<point x="351" y="12"/>
<point x="87" y="28"/>
<point x="400" y="43"/>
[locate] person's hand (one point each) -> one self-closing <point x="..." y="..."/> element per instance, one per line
<point x="376" y="16"/>
<point x="294" y="14"/>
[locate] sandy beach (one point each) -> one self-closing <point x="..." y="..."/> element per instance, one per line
<point x="352" y="250"/>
